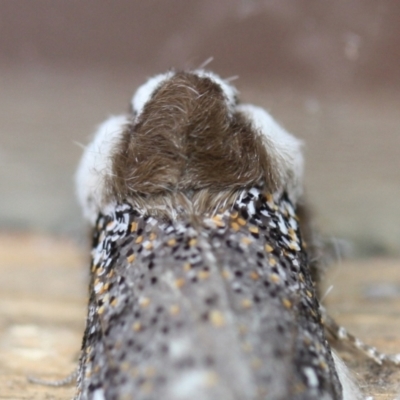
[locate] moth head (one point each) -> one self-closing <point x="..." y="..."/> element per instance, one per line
<point x="187" y="133"/>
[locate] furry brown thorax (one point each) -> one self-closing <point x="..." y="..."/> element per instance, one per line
<point x="187" y="143"/>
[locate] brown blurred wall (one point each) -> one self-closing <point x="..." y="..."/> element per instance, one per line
<point x="329" y="71"/>
<point x="304" y="42"/>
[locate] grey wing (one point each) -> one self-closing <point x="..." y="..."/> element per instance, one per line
<point x="219" y="309"/>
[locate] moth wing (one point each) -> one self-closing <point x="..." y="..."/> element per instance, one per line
<point x="218" y="310"/>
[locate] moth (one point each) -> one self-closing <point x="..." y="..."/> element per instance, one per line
<point x="201" y="287"/>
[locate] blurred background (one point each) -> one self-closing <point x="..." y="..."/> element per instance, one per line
<point x="328" y="71"/>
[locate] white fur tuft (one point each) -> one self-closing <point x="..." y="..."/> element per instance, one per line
<point x="143" y="93"/>
<point x="349" y="387"/>
<point x="283" y="147"/>
<point x="95" y="166"/>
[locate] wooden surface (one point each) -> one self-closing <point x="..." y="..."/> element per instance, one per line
<point x="43" y="305"/>
<point x="365" y="299"/>
<point x="42" y="311"/>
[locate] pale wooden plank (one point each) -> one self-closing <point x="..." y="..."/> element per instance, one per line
<point x="43" y="304"/>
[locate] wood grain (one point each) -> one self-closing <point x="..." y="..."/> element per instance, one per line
<point x="43" y="305"/>
<point x="365" y="299"/>
<point x="42" y="311"/>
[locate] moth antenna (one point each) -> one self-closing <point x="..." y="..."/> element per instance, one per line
<point x="69" y="380"/>
<point x="341" y="334"/>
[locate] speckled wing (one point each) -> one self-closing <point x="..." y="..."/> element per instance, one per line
<point x="217" y="308"/>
